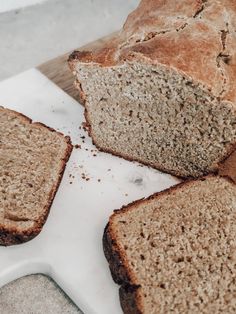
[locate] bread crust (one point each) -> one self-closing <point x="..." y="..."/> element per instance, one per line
<point x="197" y="30"/>
<point x="130" y="296"/>
<point x="12" y="236"/>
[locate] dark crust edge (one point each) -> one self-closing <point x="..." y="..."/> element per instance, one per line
<point x="129" y="292"/>
<point x="11" y="236"/>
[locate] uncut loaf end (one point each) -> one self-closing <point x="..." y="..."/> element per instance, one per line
<point x="162" y="91"/>
<point x="32" y="161"/>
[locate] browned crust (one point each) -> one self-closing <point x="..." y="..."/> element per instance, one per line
<point x="119" y="271"/>
<point x="155" y="32"/>
<point x="12" y="236"/>
<point x="130" y="297"/>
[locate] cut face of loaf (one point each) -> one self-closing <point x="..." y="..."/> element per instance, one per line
<point x="32" y="162"/>
<point x="175" y="251"/>
<point x="162" y="91"/>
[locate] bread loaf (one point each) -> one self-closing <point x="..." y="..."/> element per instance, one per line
<point x="162" y="91"/>
<point x="32" y="162"/>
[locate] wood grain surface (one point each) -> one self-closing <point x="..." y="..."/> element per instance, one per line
<point x="58" y="71"/>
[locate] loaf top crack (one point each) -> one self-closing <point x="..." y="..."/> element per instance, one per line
<point x="192" y="28"/>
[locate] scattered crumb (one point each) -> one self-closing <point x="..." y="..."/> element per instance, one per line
<point x="87" y="179"/>
<point x="126" y="194"/>
<point x="70" y="182"/>
<point x="108" y="169"/>
<point x="86" y="149"/>
<point x="94" y="155"/>
<point x="77" y="146"/>
<point x="99" y="180"/>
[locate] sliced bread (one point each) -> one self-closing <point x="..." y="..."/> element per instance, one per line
<point x="32" y="162"/>
<point x="175" y="252"/>
<point x="162" y="91"/>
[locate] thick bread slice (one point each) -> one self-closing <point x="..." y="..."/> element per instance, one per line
<point x="32" y="162"/>
<point x="175" y="252"/>
<point x="162" y="91"/>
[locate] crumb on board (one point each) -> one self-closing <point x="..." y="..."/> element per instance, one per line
<point x="99" y="180"/>
<point x="77" y="146"/>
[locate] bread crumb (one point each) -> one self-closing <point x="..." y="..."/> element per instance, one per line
<point x="77" y="146"/>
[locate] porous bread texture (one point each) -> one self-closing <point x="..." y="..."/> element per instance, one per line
<point x="175" y="252"/>
<point x="162" y="91"/>
<point x="32" y="162"/>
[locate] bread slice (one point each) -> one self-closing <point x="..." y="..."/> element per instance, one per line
<point x="162" y="91"/>
<point x="175" y="252"/>
<point x="32" y="162"/>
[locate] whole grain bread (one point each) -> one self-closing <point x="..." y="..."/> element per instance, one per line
<point x="175" y="251"/>
<point x="32" y="161"/>
<point x="162" y="91"/>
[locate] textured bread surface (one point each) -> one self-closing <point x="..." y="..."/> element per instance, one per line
<point x="32" y="162"/>
<point x="175" y="252"/>
<point x="162" y="91"/>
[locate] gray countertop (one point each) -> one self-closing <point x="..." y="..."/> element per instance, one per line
<point x="29" y="37"/>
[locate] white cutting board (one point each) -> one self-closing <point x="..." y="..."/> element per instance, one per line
<point x="69" y="249"/>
